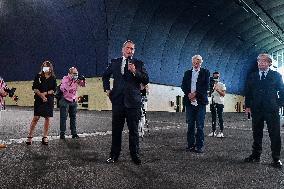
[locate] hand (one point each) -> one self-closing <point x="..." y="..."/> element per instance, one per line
<point x="215" y="87"/>
<point x="193" y="99"/>
<point x="191" y="96"/>
<point x="42" y="96"/>
<point x="131" y="68"/>
<point x="3" y="93"/>
<point x="248" y="110"/>
<point x="107" y="92"/>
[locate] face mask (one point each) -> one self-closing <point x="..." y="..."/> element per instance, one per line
<point x="45" y="69"/>
<point x="75" y="77"/>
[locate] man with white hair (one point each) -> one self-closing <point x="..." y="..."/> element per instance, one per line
<point x="263" y="98"/>
<point x="195" y="85"/>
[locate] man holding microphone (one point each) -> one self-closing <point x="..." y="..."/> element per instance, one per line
<point x="128" y="74"/>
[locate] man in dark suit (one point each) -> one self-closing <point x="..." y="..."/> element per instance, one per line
<point x="195" y="85"/>
<point x="128" y="75"/>
<point x="263" y="98"/>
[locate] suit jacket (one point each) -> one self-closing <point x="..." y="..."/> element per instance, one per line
<point x="264" y="95"/>
<point x="126" y="88"/>
<point x="202" y="86"/>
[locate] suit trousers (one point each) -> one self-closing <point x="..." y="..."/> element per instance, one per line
<point x="195" y="116"/>
<point x="273" y="125"/>
<point x="132" y="116"/>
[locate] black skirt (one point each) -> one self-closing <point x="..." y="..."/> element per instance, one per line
<point x="44" y="109"/>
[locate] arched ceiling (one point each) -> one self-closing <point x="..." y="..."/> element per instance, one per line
<point x="88" y="33"/>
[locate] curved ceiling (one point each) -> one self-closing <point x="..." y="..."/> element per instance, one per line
<point x="88" y="33"/>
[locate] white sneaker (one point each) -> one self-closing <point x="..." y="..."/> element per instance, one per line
<point x="212" y="134"/>
<point x="220" y="135"/>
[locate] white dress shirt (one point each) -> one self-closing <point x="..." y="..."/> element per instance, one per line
<point x="265" y="73"/>
<point x="123" y="65"/>
<point x="194" y="77"/>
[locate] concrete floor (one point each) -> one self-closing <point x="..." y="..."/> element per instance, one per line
<point x="80" y="163"/>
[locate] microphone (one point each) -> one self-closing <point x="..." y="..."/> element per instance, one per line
<point x="129" y="59"/>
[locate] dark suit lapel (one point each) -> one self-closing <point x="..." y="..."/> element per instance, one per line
<point x="117" y="65"/>
<point x="200" y="75"/>
<point x="119" y="61"/>
<point x="190" y="74"/>
<point x="190" y="78"/>
<point x="269" y="74"/>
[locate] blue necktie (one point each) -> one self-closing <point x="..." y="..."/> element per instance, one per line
<point x="262" y="76"/>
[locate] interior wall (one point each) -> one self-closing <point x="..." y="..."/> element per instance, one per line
<point x="160" y="98"/>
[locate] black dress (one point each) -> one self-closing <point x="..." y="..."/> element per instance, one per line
<point x="44" y="109"/>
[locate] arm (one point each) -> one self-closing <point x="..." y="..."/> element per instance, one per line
<point x="142" y="75"/>
<point x="203" y="87"/>
<point x="184" y="85"/>
<point x="248" y="94"/>
<point x="64" y="84"/>
<point x="36" y="86"/>
<point x="82" y="83"/>
<point x="280" y="87"/>
<point x="106" y="78"/>
<point x="3" y="86"/>
<point x="220" y="89"/>
<point x="52" y="91"/>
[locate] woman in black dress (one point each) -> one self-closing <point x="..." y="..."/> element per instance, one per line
<point x="44" y="86"/>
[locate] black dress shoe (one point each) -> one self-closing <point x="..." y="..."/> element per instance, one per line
<point x="29" y="141"/>
<point x="136" y="160"/>
<point x="277" y="164"/>
<point x="62" y="136"/>
<point x="111" y="160"/>
<point x="252" y="159"/>
<point x="44" y="141"/>
<point x="75" y="136"/>
<point x="199" y="151"/>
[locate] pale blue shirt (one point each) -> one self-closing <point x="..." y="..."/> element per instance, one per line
<point x="194" y="77"/>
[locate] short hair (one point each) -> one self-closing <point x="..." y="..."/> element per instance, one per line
<point x="267" y="56"/>
<point x="216" y="73"/>
<point x="197" y="57"/>
<point x="127" y="41"/>
<point x="72" y="68"/>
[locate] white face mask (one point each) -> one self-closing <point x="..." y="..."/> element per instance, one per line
<point x="75" y="77"/>
<point x="45" y="69"/>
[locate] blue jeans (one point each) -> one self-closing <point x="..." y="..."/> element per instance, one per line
<point x="195" y="116"/>
<point x="65" y="108"/>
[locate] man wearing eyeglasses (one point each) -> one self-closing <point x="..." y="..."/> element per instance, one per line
<point x="128" y="74"/>
<point x="68" y="102"/>
<point x="264" y="95"/>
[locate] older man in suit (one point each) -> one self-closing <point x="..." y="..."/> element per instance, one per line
<point x="128" y="74"/>
<point x="195" y="85"/>
<point x="263" y="98"/>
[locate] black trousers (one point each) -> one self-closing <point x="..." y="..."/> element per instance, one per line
<point x="132" y="116"/>
<point x="217" y="109"/>
<point x="273" y="125"/>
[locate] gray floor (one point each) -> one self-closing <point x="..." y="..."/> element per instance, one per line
<point x="165" y="163"/>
